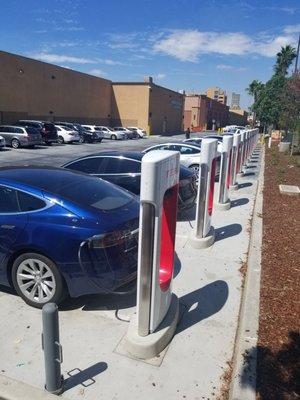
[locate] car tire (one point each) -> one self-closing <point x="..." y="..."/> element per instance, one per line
<point x="36" y="266"/>
<point x="15" y="144"/>
<point x="114" y="137"/>
<point x="60" y="140"/>
<point x="81" y="139"/>
<point x="196" y="169"/>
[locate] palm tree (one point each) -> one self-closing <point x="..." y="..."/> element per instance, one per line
<point x="254" y="89"/>
<point x="284" y="60"/>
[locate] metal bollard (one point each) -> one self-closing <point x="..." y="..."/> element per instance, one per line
<point x="52" y="349"/>
<point x="235" y="160"/>
<point x="225" y="173"/>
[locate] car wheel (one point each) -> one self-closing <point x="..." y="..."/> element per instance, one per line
<point x="81" y="139"/>
<point x="37" y="280"/>
<point x="114" y="137"/>
<point x="15" y="144"/>
<point x="60" y="140"/>
<point x="195" y="168"/>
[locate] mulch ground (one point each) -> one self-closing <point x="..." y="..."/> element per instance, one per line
<point x="278" y="368"/>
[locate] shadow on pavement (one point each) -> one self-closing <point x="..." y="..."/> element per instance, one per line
<point x="249" y="173"/>
<point x="84" y="377"/>
<point x="227" y="231"/>
<point x="239" y="202"/>
<point x="278" y="375"/>
<point x="202" y="303"/>
<point x="244" y="185"/>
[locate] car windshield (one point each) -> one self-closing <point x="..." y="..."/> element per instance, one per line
<point x="67" y="128"/>
<point x="32" y="131"/>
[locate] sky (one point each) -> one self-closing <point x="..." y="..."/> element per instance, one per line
<point x="183" y="44"/>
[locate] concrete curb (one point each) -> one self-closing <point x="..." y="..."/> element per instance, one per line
<point x="11" y="389"/>
<point x="243" y="382"/>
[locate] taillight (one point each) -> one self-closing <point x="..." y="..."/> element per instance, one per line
<point x="111" y="239"/>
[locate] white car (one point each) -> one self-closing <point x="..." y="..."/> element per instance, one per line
<point x="139" y="131"/>
<point x="189" y="153"/>
<point x="66" y="134"/>
<point x="109" y="133"/>
<point x="197" y="140"/>
<point x="95" y="130"/>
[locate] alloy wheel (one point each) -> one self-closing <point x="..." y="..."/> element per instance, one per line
<point x="36" y="280"/>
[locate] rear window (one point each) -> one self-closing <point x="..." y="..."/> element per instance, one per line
<point x="32" y="131"/>
<point x="95" y="193"/>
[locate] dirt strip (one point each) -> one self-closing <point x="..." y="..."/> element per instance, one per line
<point x="278" y="373"/>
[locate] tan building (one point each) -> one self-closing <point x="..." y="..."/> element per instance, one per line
<point x="238" y="117"/>
<point x="202" y="112"/>
<point x="147" y="105"/>
<point x="31" y="89"/>
<point x="217" y="94"/>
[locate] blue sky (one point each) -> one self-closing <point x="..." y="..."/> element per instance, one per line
<point x="183" y="44"/>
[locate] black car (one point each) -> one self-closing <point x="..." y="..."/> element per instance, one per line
<point x="84" y="135"/>
<point x="124" y="169"/>
<point x="47" y="129"/>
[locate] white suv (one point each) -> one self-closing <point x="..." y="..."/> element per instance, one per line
<point x="139" y="131"/>
<point x="66" y="134"/>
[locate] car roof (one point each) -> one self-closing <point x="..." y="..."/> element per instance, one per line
<point x="136" y="155"/>
<point x="13" y="126"/>
<point x="49" y="179"/>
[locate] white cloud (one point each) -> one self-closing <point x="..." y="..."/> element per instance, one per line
<point x="57" y="58"/>
<point x="96" y="72"/>
<point x="188" y="45"/>
<point x="226" y="67"/>
<point x="292" y="29"/>
<point x="160" y="76"/>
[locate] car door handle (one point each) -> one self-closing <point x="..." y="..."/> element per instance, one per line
<point x="8" y="227"/>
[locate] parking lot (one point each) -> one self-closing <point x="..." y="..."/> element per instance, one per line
<point x="57" y="154"/>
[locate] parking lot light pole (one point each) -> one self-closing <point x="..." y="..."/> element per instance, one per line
<point x="52" y="349"/>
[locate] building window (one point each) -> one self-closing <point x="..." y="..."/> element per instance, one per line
<point x="53" y="77"/>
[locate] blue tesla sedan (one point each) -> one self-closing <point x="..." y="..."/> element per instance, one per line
<point x="65" y="232"/>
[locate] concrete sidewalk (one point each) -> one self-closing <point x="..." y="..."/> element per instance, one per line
<point x="209" y="285"/>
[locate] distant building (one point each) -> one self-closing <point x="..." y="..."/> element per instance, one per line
<point x="238" y="117"/>
<point x="202" y="112"/>
<point x="217" y="94"/>
<point x="235" y="101"/>
<point x="31" y="89"/>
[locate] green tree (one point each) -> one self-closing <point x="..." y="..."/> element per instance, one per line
<point x="254" y="89"/>
<point x="284" y="60"/>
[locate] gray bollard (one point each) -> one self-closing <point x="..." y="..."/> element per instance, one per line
<point x="52" y="349"/>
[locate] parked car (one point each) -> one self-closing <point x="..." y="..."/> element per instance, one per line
<point x="97" y="134"/>
<point x="17" y="136"/>
<point x="46" y="129"/>
<point x="189" y="154"/>
<point x="140" y="132"/>
<point x="198" y="141"/>
<point x="66" y="134"/>
<point x="111" y="134"/>
<point x="84" y="135"/>
<point x="128" y="132"/>
<point x="124" y="169"/>
<point x="64" y="232"/>
<point x="2" y="142"/>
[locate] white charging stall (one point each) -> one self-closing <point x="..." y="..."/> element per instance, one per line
<point x="240" y="160"/>
<point x="223" y="202"/>
<point x="203" y="234"/>
<point x="235" y="160"/>
<point x="154" y="323"/>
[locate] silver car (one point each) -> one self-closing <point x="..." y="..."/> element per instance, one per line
<point x="17" y="136"/>
<point x="111" y="134"/>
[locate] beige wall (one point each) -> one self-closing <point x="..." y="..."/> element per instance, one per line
<point x="166" y="109"/>
<point x="148" y="106"/>
<point x="28" y="90"/>
<point x="130" y="105"/>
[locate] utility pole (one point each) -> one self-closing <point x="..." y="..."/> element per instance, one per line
<point x="297" y="56"/>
